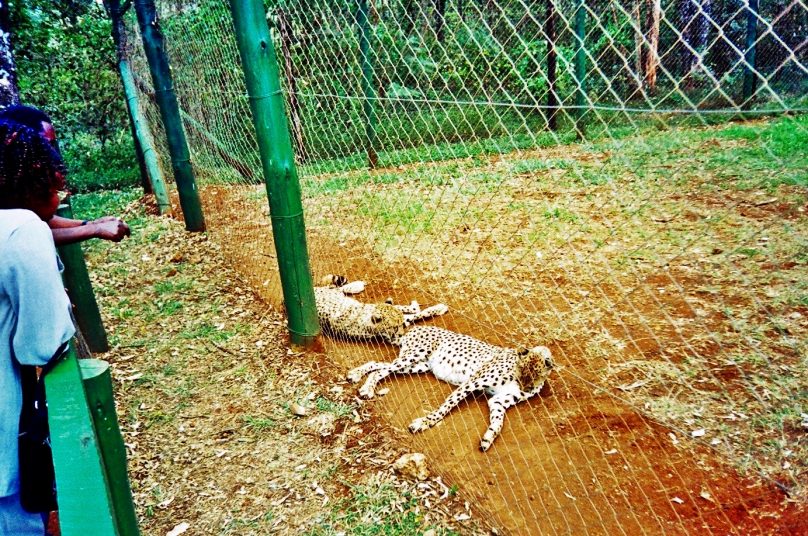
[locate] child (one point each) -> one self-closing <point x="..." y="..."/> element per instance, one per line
<point x="65" y="230"/>
<point x="34" y="309"/>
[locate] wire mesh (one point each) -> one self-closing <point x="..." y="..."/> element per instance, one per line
<point x="622" y="181"/>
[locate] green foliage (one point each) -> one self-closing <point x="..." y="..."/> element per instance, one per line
<point x="98" y="204"/>
<point x="66" y="66"/>
<point x="95" y="166"/>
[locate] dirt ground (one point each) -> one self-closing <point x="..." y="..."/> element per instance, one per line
<point x="581" y="457"/>
<point x="229" y="431"/>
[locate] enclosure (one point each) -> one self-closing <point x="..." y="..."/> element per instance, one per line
<point x="622" y="181"/>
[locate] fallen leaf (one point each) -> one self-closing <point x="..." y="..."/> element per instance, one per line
<point x="179" y="529"/>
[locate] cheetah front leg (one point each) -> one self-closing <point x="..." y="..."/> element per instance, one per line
<point x="497" y="406"/>
<point x="412" y="309"/>
<point x="457" y="396"/>
<point x="399" y="366"/>
<point x="356" y="374"/>
<point x="429" y="312"/>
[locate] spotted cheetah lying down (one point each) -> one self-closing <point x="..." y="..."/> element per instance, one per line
<point x="507" y="375"/>
<point x="344" y="317"/>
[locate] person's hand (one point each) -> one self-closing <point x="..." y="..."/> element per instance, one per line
<point x="106" y="219"/>
<point x="110" y="228"/>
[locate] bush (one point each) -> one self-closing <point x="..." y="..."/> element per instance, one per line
<point x="94" y="166"/>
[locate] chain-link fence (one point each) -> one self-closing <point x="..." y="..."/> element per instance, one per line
<point x="622" y="181"/>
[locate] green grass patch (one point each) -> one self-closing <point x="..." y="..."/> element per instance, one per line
<point x="374" y="509"/>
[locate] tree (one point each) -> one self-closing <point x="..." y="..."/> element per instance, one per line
<point x="694" y="17"/>
<point x="9" y="91"/>
<point x="652" y="50"/>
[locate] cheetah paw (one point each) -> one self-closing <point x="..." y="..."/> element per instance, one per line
<point x="367" y="392"/>
<point x="354" y="376"/>
<point x="486" y="442"/>
<point x="436" y="310"/>
<point x="418" y="425"/>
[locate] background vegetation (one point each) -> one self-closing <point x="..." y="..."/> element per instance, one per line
<point x="433" y="60"/>
<point x="66" y="66"/>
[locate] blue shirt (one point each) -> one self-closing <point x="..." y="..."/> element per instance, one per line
<point x="34" y="321"/>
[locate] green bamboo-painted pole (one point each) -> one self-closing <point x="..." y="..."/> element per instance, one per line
<point x="145" y="182"/>
<point x="260" y="66"/>
<point x="153" y="181"/>
<point x="368" y="91"/>
<point x="98" y="388"/>
<point x="85" y="506"/>
<point x="154" y="47"/>
<point x="580" y="66"/>
<point x="144" y="137"/>
<point x="80" y="290"/>
<point x="749" y="74"/>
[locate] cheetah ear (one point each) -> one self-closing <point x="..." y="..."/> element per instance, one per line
<point x="376" y="318"/>
<point x="389" y="301"/>
<point x="521" y="352"/>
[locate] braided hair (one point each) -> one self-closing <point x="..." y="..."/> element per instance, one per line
<point x="26" y="115"/>
<point x="30" y="167"/>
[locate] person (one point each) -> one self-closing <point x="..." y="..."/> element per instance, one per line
<point x="35" y="318"/>
<point x="66" y="230"/>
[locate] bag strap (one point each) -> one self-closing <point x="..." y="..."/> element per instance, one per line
<point x="54" y="360"/>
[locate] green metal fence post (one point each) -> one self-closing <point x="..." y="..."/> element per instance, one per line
<point x="368" y="91"/>
<point x="85" y="506"/>
<point x="580" y="65"/>
<point x="98" y="390"/>
<point x="80" y="290"/>
<point x="749" y="74"/>
<point x="154" y="47"/>
<point x="260" y="66"/>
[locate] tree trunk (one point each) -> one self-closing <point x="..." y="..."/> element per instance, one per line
<point x="410" y="14"/>
<point x="440" y="19"/>
<point x="694" y="17"/>
<point x="638" y="42"/>
<point x="9" y="91"/>
<point x="552" y="96"/>
<point x="285" y="30"/>
<point x="652" y="54"/>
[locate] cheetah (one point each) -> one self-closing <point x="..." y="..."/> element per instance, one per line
<point x="507" y="375"/>
<point x="345" y="317"/>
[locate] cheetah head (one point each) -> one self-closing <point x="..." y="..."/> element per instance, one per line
<point x="533" y="366"/>
<point x="387" y="323"/>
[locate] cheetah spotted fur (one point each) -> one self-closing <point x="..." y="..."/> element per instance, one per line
<point x="507" y="375"/>
<point x="344" y="317"/>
